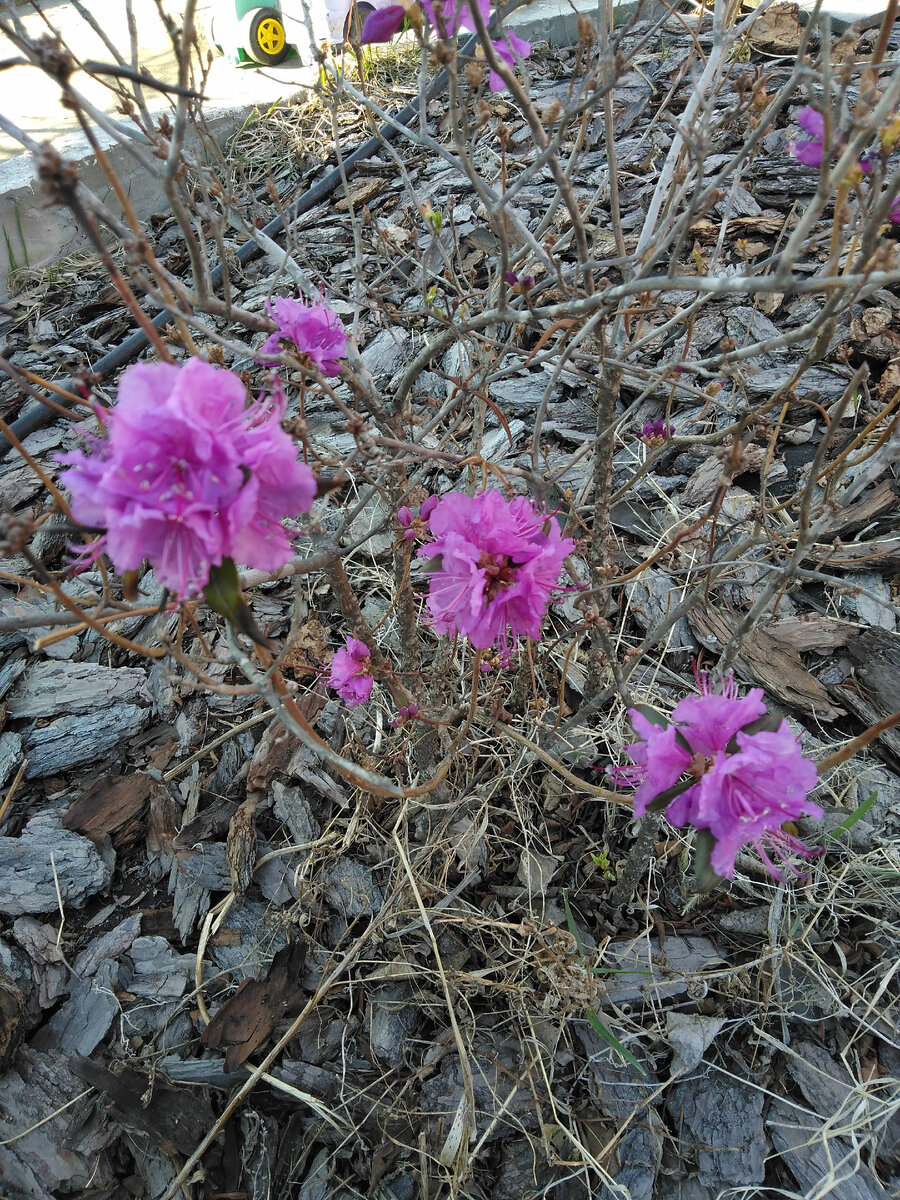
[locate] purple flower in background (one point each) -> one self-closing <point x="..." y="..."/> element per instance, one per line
<point x="314" y="329"/>
<point x="894" y="212"/>
<point x="522" y="284"/>
<point x="447" y="17"/>
<point x="497" y="563"/>
<point x="809" y="151"/>
<point x="747" y="784"/>
<point x="509" y="48"/>
<point x="382" y="24"/>
<point x="189" y="476"/>
<point x="654" y="433"/>
<point x="351" y="673"/>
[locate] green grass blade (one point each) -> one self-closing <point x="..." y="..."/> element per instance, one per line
<point x="570" y="923"/>
<point x="610" y="1038"/>
<point x="856" y="815"/>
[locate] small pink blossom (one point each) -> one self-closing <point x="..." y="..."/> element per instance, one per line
<point x="498" y="562"/>
<point x="188" y="476"/>
<point x="351" y="673"/>
<point x="894" y="212"/>
<point x="747" y="784"/>
<point x="314" y="329"/>
<point x="415" y="525"/>
<point x="521" y="284"/>
<point x="809" y="151"/>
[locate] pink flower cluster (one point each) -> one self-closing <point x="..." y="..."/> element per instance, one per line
<point x="313" y="329"/>
<point x="351" y="673"/>
<point x="496" y="563"/>
<point x="811" y="150"/>
<point x="188" y="476"/>
<point x="746" y="784"/>
<point x="447" y="18"/>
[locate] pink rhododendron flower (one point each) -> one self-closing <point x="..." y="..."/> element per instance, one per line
<point x="747" y="784"/>
<point x="809" y="152"/>
<point x="351" y="673"/>
<point x="188" y="476"/>
<point x="314" y="329"/>
<point x="509" y="48"/>
<point x="499" y="560"/>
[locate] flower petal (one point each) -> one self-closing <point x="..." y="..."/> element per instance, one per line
<point x="381" y="25"/>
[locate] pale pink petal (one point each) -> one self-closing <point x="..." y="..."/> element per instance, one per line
<point x="710" y="721"/>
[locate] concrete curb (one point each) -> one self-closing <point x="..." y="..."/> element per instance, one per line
<point x="557" y="23"/>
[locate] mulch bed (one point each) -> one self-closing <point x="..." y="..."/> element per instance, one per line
<point x="508" y="990"/>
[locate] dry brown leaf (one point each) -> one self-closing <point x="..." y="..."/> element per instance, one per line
<point x="309" y="649"/>
<point x="245" y="1021"/>
<point x="242" y="846"/>
<point x="271" y="757"/>
<point x="873" y="335"/>
<point x="12" y="1018"/>
<point x="889" y="381"/>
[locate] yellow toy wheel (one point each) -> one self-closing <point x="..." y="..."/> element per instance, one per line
<point x="267" y="40"/>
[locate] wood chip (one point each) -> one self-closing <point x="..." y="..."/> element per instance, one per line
<point x="773" y="665"/>
<point x="360" y="192"/>
<point x="107" y="807"/>
<point x="45" y="857"/>
<point x="174" y="1118"/>
<point x="66" y="687"/>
